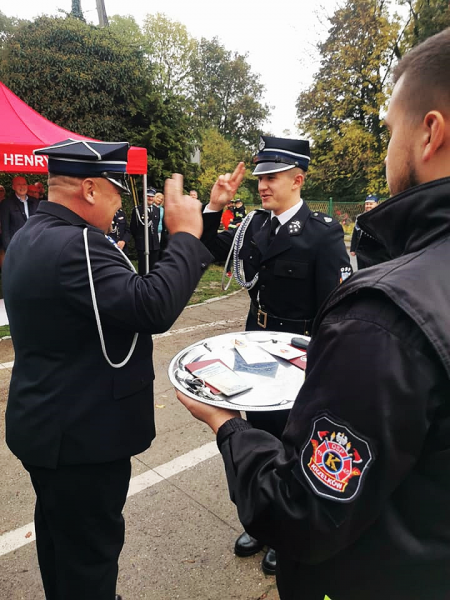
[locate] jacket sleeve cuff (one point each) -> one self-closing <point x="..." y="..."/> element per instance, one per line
<point x="230" y="427"/>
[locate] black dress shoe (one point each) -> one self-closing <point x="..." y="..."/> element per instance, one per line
<point x="269" y="562"/>
<point x="246" y="545"/>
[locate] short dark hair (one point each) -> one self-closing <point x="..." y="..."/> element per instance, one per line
<point x="425" y="70"/>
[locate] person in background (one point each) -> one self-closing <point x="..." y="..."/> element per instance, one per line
<point x="370" y="203"/>
<point x="294" y="258"/>
<point x="139" y="231"/>
<point x="41" y="189"/>
<point x="239" y="213"/>
<point x="162" y="233"/>
<point x="355" y="497"/>
<point x="227" y="215"/>
<point x="193" y="194"/>
<point x="33" y="192"/>
<point x="16" y="209"/>
<point x="119" y="231"/>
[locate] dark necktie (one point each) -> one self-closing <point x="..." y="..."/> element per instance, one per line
<point x="274" y="223"/>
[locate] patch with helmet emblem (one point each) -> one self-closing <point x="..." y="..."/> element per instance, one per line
<point x="335" y="460"/>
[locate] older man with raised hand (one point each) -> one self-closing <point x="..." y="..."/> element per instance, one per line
<point x="81" y="397"/>
<point x="355" y="497"/>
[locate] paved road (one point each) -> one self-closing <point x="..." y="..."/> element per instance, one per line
<point x="180" y="523"/>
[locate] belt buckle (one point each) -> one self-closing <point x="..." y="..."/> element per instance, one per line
<point x="261" y="318"/>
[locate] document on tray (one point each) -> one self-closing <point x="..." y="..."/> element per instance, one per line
<point x="252" y="353"/>
<point x="222" y="378"/>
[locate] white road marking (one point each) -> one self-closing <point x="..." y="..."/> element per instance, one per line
<point x="196" y="327"/>
<point x="13" y="540"/>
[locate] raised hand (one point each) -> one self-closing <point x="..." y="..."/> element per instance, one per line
<point x="181" y="213"/>
<point x="226" y="187"/>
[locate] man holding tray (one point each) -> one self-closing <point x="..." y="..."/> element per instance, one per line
<point x="292" y="259"/>
<point x="355" y="498"/>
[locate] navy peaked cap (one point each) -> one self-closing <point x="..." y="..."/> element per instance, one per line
<point x="151" y="191"/>
<point x="281" y="154"/>
<point x="83" y="158"/>
<point x="371" y="198"/>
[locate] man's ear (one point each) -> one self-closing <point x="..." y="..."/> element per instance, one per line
<point x="298" y="181"/>
<point x="434" y="134"/>
<point x="89" y="189"/>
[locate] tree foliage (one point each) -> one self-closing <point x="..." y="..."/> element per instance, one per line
<point x="342" y="110"/>
<point x="426" y="17"/>
<point x="170" y="49"/>
<point x="84" y="79"/>
<point x="227" y="95"/>
<point x="76" y="11"/>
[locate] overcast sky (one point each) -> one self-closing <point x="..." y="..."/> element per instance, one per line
<point x="279" y="37"/>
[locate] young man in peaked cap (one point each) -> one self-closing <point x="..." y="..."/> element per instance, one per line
<point x="298" y="257"/>
<point x="81" y="396"/>
<point x="355" y="498"/>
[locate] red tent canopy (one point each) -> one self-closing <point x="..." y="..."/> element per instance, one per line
<point x="22" y="130"/>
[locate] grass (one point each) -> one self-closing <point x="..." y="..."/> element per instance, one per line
<point x="210" y="285"/>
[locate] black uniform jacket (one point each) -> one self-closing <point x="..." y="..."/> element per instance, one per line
<point x="66" y="404"/>
<point x="304" y="263"/>
<point x="13" y="216"/>
<point x="355" y="498"/>
<point x="138" y="231"/>
<point x="119" y="227"/>
<point x="368" y="249"/>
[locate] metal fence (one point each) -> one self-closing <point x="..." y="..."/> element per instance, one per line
<point x="344" y="212"/>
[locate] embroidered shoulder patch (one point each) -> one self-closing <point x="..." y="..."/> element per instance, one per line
<point x="345" y="273"/>
<point x="335" y="460"/>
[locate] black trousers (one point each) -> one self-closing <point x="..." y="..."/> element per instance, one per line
<point x="80" y="529"/>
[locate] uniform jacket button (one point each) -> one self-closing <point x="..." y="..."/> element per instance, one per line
<point x="263" y="287"/>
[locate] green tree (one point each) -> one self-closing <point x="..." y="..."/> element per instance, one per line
<point x="342" y="110"/>
<point x="84" y="78"/>
<point x="76" y="11"/>
<point x="127" y="30"/>
<point x="170" y="49"/>
<point x="164" y="128"/>
<point x="426" y="17"/>
<point x="218" y="156"/>
<point x="227" y="95"/>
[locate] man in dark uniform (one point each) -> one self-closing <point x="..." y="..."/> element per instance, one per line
<point x="370" y="202"/>
<point x="293" y="257"/>
<point x="119" y="231"/>
<point x="355" y="498"/>
<point x="81" y="396"/>
<point x="16" y="209"/>
<point x="239" y="213"/>
<point x="139" y="232"/>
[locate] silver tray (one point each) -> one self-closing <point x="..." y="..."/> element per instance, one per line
<point x="274" y="387"/>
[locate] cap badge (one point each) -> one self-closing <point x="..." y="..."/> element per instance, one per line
<point x="262" y="144"/>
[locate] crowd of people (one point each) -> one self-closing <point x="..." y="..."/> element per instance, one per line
<point x="348" y="492"/>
